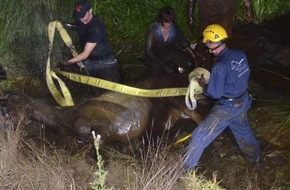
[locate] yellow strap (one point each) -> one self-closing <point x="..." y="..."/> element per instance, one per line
<point x="66" y="38"/>
<point x="178" y="141"/>
<point x="65" y="98"/>
<point x="182" y="139"/>
<point x="97" y="82"/>
<point x="194" y="87"/>
<point x="68" y="42"/>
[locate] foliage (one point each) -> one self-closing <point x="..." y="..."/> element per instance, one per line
<point x="263" y="10"/>
<point x="25" y="165"/>
<point x="25" y="84"/>
<point x="23" y="34"/>
<point x="193" y="181"/>
<point x="127" y="22"/>
<point x="100" y="173"/>
<point x="153" y="166"/>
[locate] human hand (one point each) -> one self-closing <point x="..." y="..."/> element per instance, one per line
<point x="201" y="80"/>
<point x="62" y="65"/>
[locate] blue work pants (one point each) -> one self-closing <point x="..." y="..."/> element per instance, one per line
<point x="232" y="113"/>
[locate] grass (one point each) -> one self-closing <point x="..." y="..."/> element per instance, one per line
<point x="193" y="181"/>
<point x="153" y="167"/>
<point x="263" y="10"/>
<point x="23" y="34"/>
<point x="26" y="84"/>
<point x="277" y="129"/>
<point x="57" y="163"/>
<point x="27" y="165"/>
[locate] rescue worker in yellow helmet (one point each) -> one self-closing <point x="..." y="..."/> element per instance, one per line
<point x="214" y="34"/>
<point x="228" y="84"/>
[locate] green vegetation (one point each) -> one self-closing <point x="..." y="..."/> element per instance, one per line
<point x="23" y="27"/>
<point x="263" y="10"/>
<point x="27" y="164"/>
<point x="128" y="21"/>
<point x="100" y="173"/>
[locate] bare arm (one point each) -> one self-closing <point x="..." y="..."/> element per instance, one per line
<point x="85" y="54"/>
<point x="249" y="8"/>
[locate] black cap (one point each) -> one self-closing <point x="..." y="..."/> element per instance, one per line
<point x="81" y="8"/>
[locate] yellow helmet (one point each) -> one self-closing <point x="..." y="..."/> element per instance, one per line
<point x="214" y="33"/>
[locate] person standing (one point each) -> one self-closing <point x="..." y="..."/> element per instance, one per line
<point x="96" y="54"/>
<point x="166" y="47"/>
<point x="228" y="84"/>
<point x="213" y="12"/>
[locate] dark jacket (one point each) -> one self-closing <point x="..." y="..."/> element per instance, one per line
<point x="157" y="49"/>
<point x="94" y="32"/>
